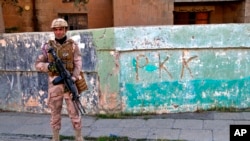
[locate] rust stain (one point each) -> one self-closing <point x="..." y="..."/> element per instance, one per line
<point x="116" y="55"/>
<point x="109" y="102"/>
<point x="32" y="102"/>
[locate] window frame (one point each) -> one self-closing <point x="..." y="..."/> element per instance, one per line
<point x="74" y="20"/>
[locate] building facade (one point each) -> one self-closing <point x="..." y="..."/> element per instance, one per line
<point x="36" y="15"/>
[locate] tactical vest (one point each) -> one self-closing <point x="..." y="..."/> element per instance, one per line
<point x="64" y="52"/>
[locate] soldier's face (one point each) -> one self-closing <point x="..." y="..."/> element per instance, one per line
<point x="59" y="32"/>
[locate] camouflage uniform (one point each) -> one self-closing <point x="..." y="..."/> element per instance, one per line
<point x="69" y="53"/>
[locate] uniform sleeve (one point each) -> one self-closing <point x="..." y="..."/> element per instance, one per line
<point x="77" y="61"/>
<point x="41" y="63"/>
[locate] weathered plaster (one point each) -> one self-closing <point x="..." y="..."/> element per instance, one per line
<point x="184" y="80"/>
<point x="183" y="68"/>
<point x="25" y="89"/>
<point x="156" y="69"/>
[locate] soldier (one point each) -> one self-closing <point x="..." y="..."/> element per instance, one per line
<point x="69" y="52"/>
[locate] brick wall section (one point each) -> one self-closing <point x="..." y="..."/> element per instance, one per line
<point x="247" y="11"/>
<point x="143" y="12"/>
<point x="47" y="11"/>
<point x="14" y="19"/>
<point x="241" y="13"/>
<point x="232" y="13"/>
<point x="99" y="13"/>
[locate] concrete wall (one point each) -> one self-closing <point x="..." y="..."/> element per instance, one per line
<point x="22" y="88"/>
<point x="157" y="69"/>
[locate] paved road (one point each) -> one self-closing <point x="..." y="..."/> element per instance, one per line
<point x="206" y="126"/>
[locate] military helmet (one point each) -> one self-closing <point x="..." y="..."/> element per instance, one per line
<point x="59" y="22"/>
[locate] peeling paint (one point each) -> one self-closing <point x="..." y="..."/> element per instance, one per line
<point x="158" y="69"/>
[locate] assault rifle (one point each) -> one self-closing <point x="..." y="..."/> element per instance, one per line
<point x="65" y="77"/>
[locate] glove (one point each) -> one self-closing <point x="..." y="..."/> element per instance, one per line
<point x="52" y="67"/>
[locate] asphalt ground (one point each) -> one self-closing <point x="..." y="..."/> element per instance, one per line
<point x="203" y="126"/>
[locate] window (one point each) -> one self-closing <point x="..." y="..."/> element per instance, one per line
<point x="191" y="18"/>
<point x="75" y="21"/>
<point x="84" y="1"/>
<point x="68" y="0"/>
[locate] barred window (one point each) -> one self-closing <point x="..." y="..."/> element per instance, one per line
<point x="191" y="18"/>
<point x="68" y="0"/>
<point x="75" y="21"/>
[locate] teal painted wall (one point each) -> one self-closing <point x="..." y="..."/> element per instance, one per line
<point x="151" y="69"/>
<point x="185" y="80"/>
<point x="184" y="68"/>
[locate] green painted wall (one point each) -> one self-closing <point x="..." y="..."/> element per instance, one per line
<point x="184" y="68"/>
<point x="154" y="69"/>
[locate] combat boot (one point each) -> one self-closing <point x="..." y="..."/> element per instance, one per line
<point x="78" y="135"/>
<point x="56" y="136"/>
